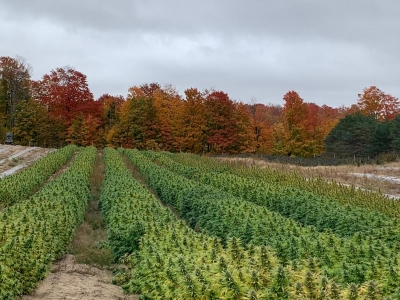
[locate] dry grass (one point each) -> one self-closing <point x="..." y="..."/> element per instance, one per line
<point x="91" y="235"/>
<point x="86" y="247"/>
<point x="97" y="176"/>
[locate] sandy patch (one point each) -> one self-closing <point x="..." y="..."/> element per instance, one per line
<point x="71" y="281"/>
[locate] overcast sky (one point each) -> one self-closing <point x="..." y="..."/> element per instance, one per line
<point x="327" y="51"/>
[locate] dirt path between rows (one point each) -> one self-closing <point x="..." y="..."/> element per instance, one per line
<point x="84" y="273"/>
<point x="69" y="280"/>
<point x="139" y="178"/>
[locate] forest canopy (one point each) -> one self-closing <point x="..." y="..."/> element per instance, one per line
<point x="59" y="109"/>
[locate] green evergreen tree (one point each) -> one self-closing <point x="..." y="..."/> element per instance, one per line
<point x="380" y="141"/>
<point x="395" y="134"/>
<point x="351" y="136"/>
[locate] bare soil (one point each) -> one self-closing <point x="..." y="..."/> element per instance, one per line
<point x="373" y="177"/>
<point x="69" y="280"/>
<point x="85" y="272"/>
<point x="12" y="156"/>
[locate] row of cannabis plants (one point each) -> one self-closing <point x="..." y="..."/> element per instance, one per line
<point x="168" y="260"/>
<point x="21" y="185"/>
<point x="360" y="259"/>
<point x="35" y="232"/>
<point x="335" y="192"/>
<point x="300" y="205"/>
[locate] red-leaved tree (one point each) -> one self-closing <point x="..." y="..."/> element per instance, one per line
<point x="65" y="93"/>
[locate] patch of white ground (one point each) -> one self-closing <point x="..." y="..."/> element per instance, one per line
<point x="377" y="177"/>
<point x="14" y="158"/>
<point x="71" y="281"/>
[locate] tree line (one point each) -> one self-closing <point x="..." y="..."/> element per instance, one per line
<point x="362" y="135"/>
<point x="60" y="108"/>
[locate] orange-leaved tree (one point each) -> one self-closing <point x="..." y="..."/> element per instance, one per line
<point x="167" y="103"/>
<point x="375" y="102"/>
<point x="264" y="117"/>
<point x="111" y="106"/>
<point x="85" y="131"/>
<point x="245" y="135"/>
<point x="111" y="111"/>
<point x="138" y="126"/>
<point x="192" y="122"/>
<point x="294" y="119"/>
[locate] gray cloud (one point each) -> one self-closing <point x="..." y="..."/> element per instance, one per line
<point x="327" y="51"/>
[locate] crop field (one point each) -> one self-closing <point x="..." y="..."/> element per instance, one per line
<point x="380" y="178"/>
<point x="181" y="226"/>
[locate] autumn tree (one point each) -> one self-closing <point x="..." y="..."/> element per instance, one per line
<point x="192" y="122"/>
<point x="138" y="126"/>
<point x="31" y="123"/>
<point x="110" y="118"/>
<point x="220" y="122"/>
<point x="375" y="102"/>
<point x="245" y="136"/>
<point x="252" y="109"/>
<point x="278" y="139"/>
<point x="53" y="132"/>
<point x="151" y="118"/>
<point x="264" y="118"/>
<point x="14" y="88"/>
<point x="146" y="89"/>
<point x="313" y="135"/>
<point x="294" y="118"/>
<point x="329" y="118"/>
<point x="302" y="126"/>
<point x="343" y="111"/>
<point x="318" y="123"/>
<point x="111" y="106"/>
<point x="85" y="131"/>
<point x="228" y="126"/>
<point x="167" y="103"/>
<point x="66" y="94"/>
